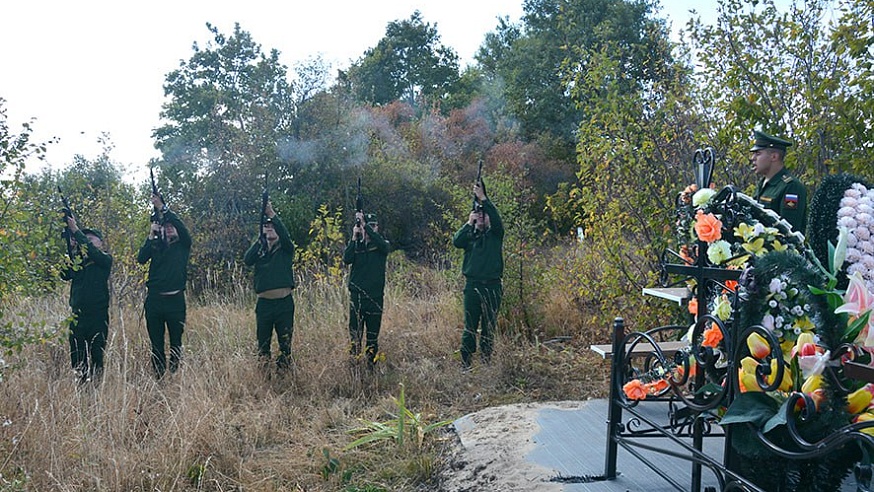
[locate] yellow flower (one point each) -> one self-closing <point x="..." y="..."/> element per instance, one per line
<point x="744" y="231"/>
<point x="758" y="346"/>
<point x="805" y="324"/>
<point x="811" y="383"/>
<point x="859" y="399"/>
<point x="778" y="246"/>
<point x="756" y="247"/>
<point x="804" y="338"/>
<point x="865" y="417"/>
<point x="786" y="383"/>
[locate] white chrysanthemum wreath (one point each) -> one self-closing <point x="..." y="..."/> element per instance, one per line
<point x="857" y="215"/>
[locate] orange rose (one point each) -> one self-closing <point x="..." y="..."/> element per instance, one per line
<point x="693" y="306"/>
<point x="634" y="390"/>
<point x="731" y="285"/>
<point x="712" y="336"/>
<point x="657" y="387"/>
<point x="708" y="227"/>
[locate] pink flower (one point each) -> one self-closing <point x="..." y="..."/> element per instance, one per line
<point x="857" y="299"/>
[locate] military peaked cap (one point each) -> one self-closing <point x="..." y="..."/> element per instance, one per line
<point x="765" y="141"/>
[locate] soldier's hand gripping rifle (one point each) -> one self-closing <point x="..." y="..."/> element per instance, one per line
<point x="262" y="238"/>
<point x="477" y="206"/>
<point x="359" y="208"/>
<point x="68" y="214"/>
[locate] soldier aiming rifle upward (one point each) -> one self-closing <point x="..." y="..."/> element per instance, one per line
<point x="482" y="239"/>
<point x="88" y="274"/>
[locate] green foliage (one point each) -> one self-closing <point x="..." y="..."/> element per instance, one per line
<point x="323" y="255"/>
<point x="409" y="63"/>
<point x="532" y="60"/>
<point x="405" y="426"/>
<point x="25" y="227"/>
<point x="791" y="73"/>
<point x="331" y="466"/>
<point x="634" y="149"/>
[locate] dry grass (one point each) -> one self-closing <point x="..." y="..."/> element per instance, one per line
<point x="225" y="423"/>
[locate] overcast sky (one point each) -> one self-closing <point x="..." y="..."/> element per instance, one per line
<point x="82" y="68"/>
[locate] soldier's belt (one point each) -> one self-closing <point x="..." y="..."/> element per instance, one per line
<point x="275" y="293"/>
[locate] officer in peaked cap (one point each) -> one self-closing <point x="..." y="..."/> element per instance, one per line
<point x="778" y="190"/>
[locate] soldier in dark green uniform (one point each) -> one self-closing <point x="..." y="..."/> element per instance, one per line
<point x="778" y="190"/>
<point x="482" y="238"/>
<point x="367" y="252"/>
<point x="89" y="298"/>
<point x="273" y="258"/>
<point x="167" y="249"/>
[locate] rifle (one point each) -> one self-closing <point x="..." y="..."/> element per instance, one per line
<point x="262" y="238"/>
<point x="477" y="206"/>
<point x="157" y="216"/>
<point x="359" y="207"/>
<point x="68" y="214"/>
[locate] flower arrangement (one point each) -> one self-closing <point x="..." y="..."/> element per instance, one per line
<point x="806" y="310"/>
<point x="802" y="329"/>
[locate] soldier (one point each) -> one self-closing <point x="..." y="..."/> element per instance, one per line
<point x="367" y="252"/>
<point x="482" y="238"/>
<point x="89" y="299"/>
<point x="778" y="190"/>
<point x="274" y="281"/>
<point x="167" y="248"/>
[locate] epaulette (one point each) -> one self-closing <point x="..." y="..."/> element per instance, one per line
<point x="787" y="178"/>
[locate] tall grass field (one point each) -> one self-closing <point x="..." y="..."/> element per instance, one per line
<point x="225" y="422"/>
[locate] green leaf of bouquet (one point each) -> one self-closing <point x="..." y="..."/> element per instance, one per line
<point x="778" y="419"/>
<point x="831" y="257"/>
<point x="795" y="371"/>
<point x="854" y="328"/>
<point x="753" y="406"/>
<point x="710" y="388"/>
<point x="817" y="291"/>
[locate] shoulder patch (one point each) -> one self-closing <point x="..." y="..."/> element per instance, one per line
<point x="790" y="201"/>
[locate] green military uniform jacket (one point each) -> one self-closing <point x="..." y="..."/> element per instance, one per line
<point x="89" y="289"/>
<point x="368" y="264"/>
<point x="785" y="195"/>
<point x="168" y="270"/>
<point x="483" y="251"/>
<point x="275" y="268"/>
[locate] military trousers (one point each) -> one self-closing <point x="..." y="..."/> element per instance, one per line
<point x="88" y="334"/>
<point x="165" y="313"/>
<point x="275" y="315"/>
<point x="365" y="320"/>
<point x="482" y="300"/>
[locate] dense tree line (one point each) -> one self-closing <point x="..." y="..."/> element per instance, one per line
<point x="585" y="113"/>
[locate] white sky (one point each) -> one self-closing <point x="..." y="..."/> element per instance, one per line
<point x="82" y="68"/>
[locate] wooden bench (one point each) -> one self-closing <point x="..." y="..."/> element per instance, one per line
<point x="641" y="349"/>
